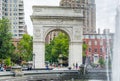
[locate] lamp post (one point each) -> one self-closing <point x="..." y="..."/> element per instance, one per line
<point x="34" y="60"/>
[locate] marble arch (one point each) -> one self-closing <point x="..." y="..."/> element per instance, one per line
<point x="48" y="18"/>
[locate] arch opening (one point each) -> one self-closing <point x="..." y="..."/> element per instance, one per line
<point x="57" y="48"/>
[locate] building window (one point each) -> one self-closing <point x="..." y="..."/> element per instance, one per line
<point x="89" y="36"/>
<point x="89" y="49"/>
<point x="101" y="42"/>
<point x="95" y="49"/>
<point x="15" y="34"/>
<point x="106" y="49"/>
<point x="15" y="1"/>
<point x="15" y="31"/>
<point x="92" y="36"/>
<point x="6" y="9"/>
<point x="89" y="43"/>
<point x="98" y="37"/>
<point x="95" y="42"/>
<point x="86" y="36"/>
<point x="6" y="1"/>
<point x="100" y="49"/>
<point x="6" y="14"/>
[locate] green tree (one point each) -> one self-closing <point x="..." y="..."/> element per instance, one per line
<point x="84" y="48"/>
<point x="59" y="45"/>
<point x="7" y="61"/>
<point x="25" y="48"/>
<point x="101" y="62"/>
<point x="48" y="55"/>
<point x="6" y="46"/>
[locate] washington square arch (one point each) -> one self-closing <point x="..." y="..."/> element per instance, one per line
<point x="49" y="18"/>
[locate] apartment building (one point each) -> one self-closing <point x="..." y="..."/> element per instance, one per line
<point x="14" y="11"/>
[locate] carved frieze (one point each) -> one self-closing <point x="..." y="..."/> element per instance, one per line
<point x="57" y="22"/>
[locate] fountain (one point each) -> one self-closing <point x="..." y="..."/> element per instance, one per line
<point x="108" y="54"/>
<point x="116" y="50"/>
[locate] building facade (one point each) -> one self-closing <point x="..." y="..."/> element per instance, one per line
<point x="89" y="8"/>
<point x="14" y="11"/>
<point x="98" y="46"/>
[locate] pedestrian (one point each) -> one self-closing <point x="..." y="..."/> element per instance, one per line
<point x="5" y="67"/>
<point x="47" y="67"/>
<point x="2" y="69"/>
<point x="76" y="65"/>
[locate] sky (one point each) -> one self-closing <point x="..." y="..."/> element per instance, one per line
<point x="105" y="12"/>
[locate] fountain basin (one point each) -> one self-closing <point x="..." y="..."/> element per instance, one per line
<point x="17" y="70"/>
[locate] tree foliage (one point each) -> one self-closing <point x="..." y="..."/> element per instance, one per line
<point x="6" y="46"/>
<point x="59" y="45"/>
<point x="101" y="62"/>
<point x="84" y="48"/>
<point x="25" y="47"/>
<point x="7" y="61"/>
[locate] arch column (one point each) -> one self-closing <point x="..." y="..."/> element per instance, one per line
<point x="39" y="54"/>
<point x="75" y="56"/>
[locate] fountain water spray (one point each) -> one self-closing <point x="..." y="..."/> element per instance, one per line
<point x="108" y="53"/>
<point x="116" y="50"/>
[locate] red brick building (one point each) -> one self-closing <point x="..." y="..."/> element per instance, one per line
<point x="99" y="45"/>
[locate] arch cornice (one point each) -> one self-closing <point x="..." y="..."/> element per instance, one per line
<point x="53" y="17"/>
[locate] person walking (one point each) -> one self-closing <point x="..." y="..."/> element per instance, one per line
<point x="76" y="66"/>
